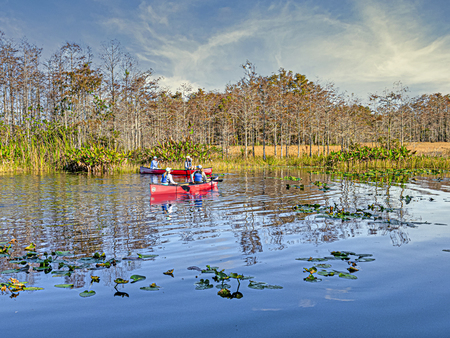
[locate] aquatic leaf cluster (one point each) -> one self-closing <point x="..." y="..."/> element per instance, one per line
<point x="385" y="175"/>
<point x="170" y="150"/>
<point x="15" y="286"/>
<point x="366" y="153"/>
<point x="288" y="178"/>
<point x="96" y="159"/>
<point x="222" y="278"/>
<point x="64" y="268"/>
<point x="322" y="185"/>
<point x="345" y="215"/>
<point x="349" y="257"/>
<point x="58" y="265"/>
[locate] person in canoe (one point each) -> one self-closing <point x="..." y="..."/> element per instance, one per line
<point x="167" y="178"/>
<point x="154" y="163"/>
<point x="188" y="163"/>
<point x="198" y="176"/>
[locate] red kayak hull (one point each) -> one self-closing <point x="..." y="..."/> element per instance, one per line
<point x="177" y="190"/>
<point x="178" y="172"/>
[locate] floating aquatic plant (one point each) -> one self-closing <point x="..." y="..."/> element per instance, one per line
<point x="120" y="281"/>
<point x="137" y="278"/>
<point x="349" y="257"/>
<point x="151" y="287"/>
<point x="87" y="293"/>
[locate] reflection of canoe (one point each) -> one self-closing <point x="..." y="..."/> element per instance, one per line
<point x="177" y="190"/>
<point x="180" y="172"/>
<point x="180" y="198"/>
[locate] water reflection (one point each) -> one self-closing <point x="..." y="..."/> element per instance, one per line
<point x="111" y="214"/>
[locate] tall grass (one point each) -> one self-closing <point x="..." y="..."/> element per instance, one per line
<point x="40" y="150"/>
<point x="50" y="149"/>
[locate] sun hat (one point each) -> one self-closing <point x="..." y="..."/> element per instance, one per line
<point x="199" y="167"/>
<point x="188" y="156"/>
<point x="154" y="157"/>
<point x="168" y="169"/>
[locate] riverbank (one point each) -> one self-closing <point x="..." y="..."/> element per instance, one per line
<point x="427" y="156"/>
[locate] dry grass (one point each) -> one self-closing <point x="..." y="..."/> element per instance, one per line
<point x="431" y="148"/>
<point x="421" y="148"/>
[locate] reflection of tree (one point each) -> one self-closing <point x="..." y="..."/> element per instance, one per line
<point x="251" y="260"/>
<point x="250" y="242"/>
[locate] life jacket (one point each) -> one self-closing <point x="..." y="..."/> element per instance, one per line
<point x="198" y="177"/>
<point x="164" y="178"/>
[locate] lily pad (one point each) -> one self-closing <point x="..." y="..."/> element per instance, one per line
<point x="11" y="271"/>
<point x="196" y="268"/>
<point x="64" y="286"/>
<point x="273" y="287"/>
<point x="120" y="281"/>
<point x="137" y="278"/>
<point x="246" y="277"/>
<point x="18" y="262"/>
<point x="210" y="269"/>
<point x="151" y="287"/>
<point x="87" y="293"/>
<point x="63" y="253"/>
<point x="310" y="259"/>
<point x="257" y="285"/>
<point x="30" y="247"/>
<point x="365" y="259"/>
<point x="32" y="288"/>
<point x="61" y="273"/>
<point x="42" y="268"/>
<point x="168" y="272"/>
<point x="347" y="276"/>
<point x="203" y="284"/>
<point x="147" y="256"/>
<point x="221" y="286"/>
<point x="323" y="266"/>
<point x="326" y="273"/>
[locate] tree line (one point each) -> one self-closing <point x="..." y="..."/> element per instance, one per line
<point x="110" y="100"/>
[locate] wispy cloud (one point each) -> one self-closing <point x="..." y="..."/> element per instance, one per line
<point x="381" y="43"/>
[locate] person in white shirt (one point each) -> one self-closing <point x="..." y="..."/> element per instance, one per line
<point x="167" y="178"/>
<point x="188" y="163"/>
<point x="154" y="164"/>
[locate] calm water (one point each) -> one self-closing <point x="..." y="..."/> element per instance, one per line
<point x="247" y="227"/>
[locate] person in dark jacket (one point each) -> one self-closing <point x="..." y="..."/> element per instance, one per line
<point x="199" y="175"/>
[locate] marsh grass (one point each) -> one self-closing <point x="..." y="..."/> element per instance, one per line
<point x="47" y="151"/>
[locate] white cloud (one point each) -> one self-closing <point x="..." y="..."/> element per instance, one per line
<point x="382" y="43"/>
<point x="11" y="27"/>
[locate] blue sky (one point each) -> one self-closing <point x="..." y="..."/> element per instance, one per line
<point x="362" y="46"/>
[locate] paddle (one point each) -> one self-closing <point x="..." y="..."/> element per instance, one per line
<point x="185" y="188"/>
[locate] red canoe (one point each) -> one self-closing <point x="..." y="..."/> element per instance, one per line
<point x="178" y="190"/>
<point x="178" y="172"/>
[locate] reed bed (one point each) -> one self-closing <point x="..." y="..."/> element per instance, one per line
<point x="48" y="152"/>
